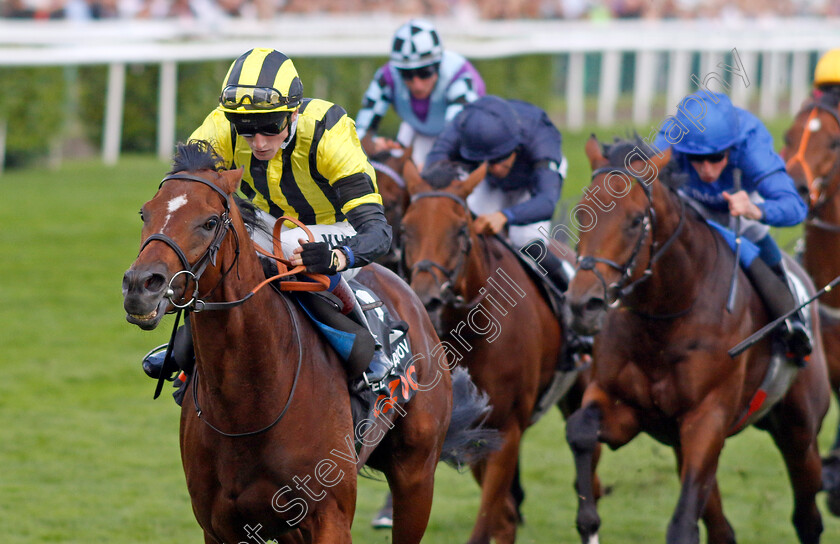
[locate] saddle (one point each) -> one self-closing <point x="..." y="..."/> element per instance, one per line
<point x="571" y="362"/>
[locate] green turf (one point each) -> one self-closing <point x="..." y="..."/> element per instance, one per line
<point x="86" y="456"/>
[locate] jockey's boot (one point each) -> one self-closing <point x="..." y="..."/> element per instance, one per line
<point x="553" y="265"/>
<point x="776" y="293"/>
<point x="183" y="356"/>
<point x="380" y="365"/>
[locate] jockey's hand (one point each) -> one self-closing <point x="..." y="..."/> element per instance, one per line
<point x="381" y="144"/>
<point x="490" y="223"/>
<point x="740" y="204"/>
<point x="318" y="258"/>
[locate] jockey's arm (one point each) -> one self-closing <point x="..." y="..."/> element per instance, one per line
<point x="540" y="206"/>
<point x="340" y="158"/>
<point x="375" y="104"/>
<point x="782" y="206"/>
<point x="445" y="146"/>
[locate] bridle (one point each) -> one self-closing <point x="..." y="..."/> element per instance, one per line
<point x="816" y="184"/>
<point x="621" y="287"/>
<point x="195" y="271"/>
<point x="447" y="288"/>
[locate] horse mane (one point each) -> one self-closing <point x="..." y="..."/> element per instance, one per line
<point x="200" y="155"/>
<point x="196" y="155"/>
<point x="617" y="152"/>
<point x="442" y="173"/>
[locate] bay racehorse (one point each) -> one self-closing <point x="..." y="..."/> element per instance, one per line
<point x="493" y="318"/>
<point x="652" y="282"/>
<point x="389" y="180"/>
<point x="267" y="437"/>
<point x="812" y="150"/>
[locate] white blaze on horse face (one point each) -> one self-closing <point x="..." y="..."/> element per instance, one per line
<point x="173" y="205"/>
<point x="814" y="125"/>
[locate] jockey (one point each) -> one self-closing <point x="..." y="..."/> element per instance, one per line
<point x="710" y="139"/>
<point x="426" y="85"/>
<point x="301" y="158"/>
<point x="827" y="76"/>
<point x="525" y="172"/>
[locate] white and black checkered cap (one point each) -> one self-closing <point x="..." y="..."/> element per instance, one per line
<point x="416" y="44"/>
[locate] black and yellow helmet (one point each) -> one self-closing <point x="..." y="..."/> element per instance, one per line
<point x="262" y="84"/>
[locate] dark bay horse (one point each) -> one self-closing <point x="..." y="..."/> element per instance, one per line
<point x="389" y="166"/>
<point x="812" y="149"/>
<point x="493" y="319"/>
<point x="652" y="282"/>
<point x="270" y="452"/>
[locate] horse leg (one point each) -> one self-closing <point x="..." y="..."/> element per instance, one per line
<point x="209" y="539"/>
<point x="718" y="529"/>
<point x="598" y="419"/>
<point x="517" y="492"/>
<point x="412" y="488"/>
<point x="798" y="445"/>
<point x="701" y="441"/>
<point x="497" y="514"/>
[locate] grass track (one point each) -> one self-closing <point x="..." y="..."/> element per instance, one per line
<point x="87" y="457"/>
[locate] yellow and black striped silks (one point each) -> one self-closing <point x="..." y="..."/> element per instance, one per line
<point x="320" y="175"/>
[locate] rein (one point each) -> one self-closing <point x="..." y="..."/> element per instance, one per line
<point x="447" y="289"/>
<point x="620" y="286"/>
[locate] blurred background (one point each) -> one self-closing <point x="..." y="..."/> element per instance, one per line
<point x="105" y="77"/>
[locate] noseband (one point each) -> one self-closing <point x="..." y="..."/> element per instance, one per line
<point x="447" y="291"/>
<point x="815" y="185"/>
<point x="621" y="286"/>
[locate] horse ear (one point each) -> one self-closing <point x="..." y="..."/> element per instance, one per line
<point x="660" y="160"/>
<point x="413" y="181"/>
<point x="230" y="179"/>
<point x="466" y="187"/>
<point x="594" y="153"/>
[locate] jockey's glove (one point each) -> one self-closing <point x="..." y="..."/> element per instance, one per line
<point x="318" y="258"/>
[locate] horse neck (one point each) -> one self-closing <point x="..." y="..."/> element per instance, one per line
<point x="243" y="344"/>
<point x="821" y="255"/>
<point x="674" y="283"/>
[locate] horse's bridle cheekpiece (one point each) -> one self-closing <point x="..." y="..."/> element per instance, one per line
<point x="620" y="287"/>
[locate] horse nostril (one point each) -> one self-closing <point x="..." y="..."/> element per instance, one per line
<point x="154" y="283"/>
<point x="595" y="305"/>
<point x="433" y="304"/>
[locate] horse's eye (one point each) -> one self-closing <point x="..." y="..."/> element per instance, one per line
<point x="637" y="220"/>
<point x="835" y="143"/>
<point x="142" y="217"/>
<point x="211" y="223"/>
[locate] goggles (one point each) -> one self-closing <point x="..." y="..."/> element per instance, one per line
<point x="257" y="98"/>
<point x="711" y="157"/>
<point x="424" y="72"/>
<point x="270" y="129"/>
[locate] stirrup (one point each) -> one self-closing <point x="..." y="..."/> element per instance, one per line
<point x="377" y="384"/>
<point x="798" y="342"/>
<point x="153" y="363"/>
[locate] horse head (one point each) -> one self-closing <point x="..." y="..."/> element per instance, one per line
<point x="437" y="234"/>
<point x="389" y="166"/>
<point x="184" y="226"/>
<point x="617" y="219"/>
<point x="812" y="150"/>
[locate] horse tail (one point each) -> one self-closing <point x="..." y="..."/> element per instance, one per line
<point x="467" y="439"/>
